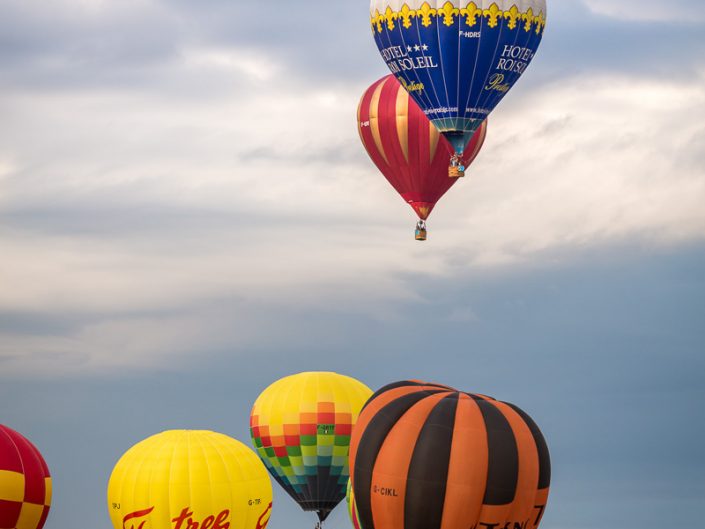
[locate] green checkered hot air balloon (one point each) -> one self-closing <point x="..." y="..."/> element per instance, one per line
<point x="300" y="426"/>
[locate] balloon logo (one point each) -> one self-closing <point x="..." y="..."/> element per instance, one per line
<point x="406" y="148"/>
<point x="457" y="58"/>
<point x="301" y="427"/>
<point x="426" y="455"/>
<point x="25" y="483"/>
<point x="182" y="479"/>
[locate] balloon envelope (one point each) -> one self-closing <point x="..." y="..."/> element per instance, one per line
<point x="426" y="456"/>
<point x="406" y="147"/>
<point x="25" y="483"/>
<point x="458" y="59"/>
<point x="182" y="479"/>
<point x="301" y="427"/>
<point x="352" y="508"/>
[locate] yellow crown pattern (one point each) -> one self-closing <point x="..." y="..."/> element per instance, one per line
<point x="448" y="14"/>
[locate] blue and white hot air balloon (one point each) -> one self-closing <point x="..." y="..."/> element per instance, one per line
<point x="456" y="58"/>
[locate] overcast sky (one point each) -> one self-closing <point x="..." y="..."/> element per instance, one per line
<point x="187" y="214"/>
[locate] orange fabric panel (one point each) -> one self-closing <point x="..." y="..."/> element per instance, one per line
<point x="392" y="465"/>
<point x="540" y="502"/>
<point x="371" y="409"/>
<point x="527" y="484"/>
<point x="467" y="472"/>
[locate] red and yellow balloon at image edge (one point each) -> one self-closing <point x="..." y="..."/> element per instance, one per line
<point x="25" y="483"/>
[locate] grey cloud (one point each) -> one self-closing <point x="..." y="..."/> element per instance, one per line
<point x="62" y="44"/>
<point x="144" y="44"/>
<point x="578" y="41"/>
<point x="25" y="322"/>
<point x="114" y="45"/>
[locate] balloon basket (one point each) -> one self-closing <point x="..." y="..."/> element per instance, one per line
<point x="420" y="234"/>
<point x="455" y="172"/>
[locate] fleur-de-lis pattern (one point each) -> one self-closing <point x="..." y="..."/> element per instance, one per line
<point x="528" y="18"/>
<point x="406" y="14"/>
<point x="512" y="15"/>
<point x="493" y="14"/>
<point x="540" y="21"/>
<point x="377" y="20"/>
<point x="471" y="12"/>
<point x="426" y="12"/>
<point x="390" y="16"/>
<point x="450" y="11"/>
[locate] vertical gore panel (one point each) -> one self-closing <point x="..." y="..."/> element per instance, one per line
<point x="374" y="120"/>
<point x="371" y="441"/>
<point x="391" y="472"/>
<point x="541" y="446"/>
<point x="467" y="470"/>
<point x="428" y="471"/>
<point x="402" y="113"/>
<point x="503" y="456"/>
<point x="433" y="137"/>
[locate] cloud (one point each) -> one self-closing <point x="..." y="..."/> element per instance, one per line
<point x="155" y="191"/>
<point x="649" y="11"/>
<point x="80" y="44"/>
<point x="151" y="224"/>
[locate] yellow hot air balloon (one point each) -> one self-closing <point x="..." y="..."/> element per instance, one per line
<point x="301" y="426"/>
<point x="188" y="479"/>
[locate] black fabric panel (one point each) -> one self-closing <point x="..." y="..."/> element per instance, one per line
<point x="370" y="443"/>
<point x="428" y="470"/>
<point x="321" y="492"/>
<point x="477" y="397"/>
<point x="402" y="384"/>
<point x="541" y="446"/>
<point x="502" y="456"/>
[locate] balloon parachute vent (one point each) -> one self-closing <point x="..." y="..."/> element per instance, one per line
<point x="421" y="231"/>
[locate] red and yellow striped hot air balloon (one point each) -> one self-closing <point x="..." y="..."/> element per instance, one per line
<point x="407" y="148"/>
<point x="25" y="483"/>
<point x="426" y="456"/>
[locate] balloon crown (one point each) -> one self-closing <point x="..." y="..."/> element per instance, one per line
<point x="447" y="14"/>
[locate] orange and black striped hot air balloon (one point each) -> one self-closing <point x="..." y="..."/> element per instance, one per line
<point x="426" y="456"/>
<point x="406" y="147"/>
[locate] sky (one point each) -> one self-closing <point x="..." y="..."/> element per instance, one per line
<point x="187" y="214"/>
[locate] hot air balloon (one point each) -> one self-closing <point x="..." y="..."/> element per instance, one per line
<point x="427" y="456"/>
<point x="458" y="58"/>
<point x="189" y="479"/>
<point x="407" y="148"/>
<point x="25" y="483"/>
<point x="352" y="508"/>
<point x="301" y="426"/>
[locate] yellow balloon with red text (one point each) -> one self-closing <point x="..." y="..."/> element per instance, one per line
<point x="189" y="479"/>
